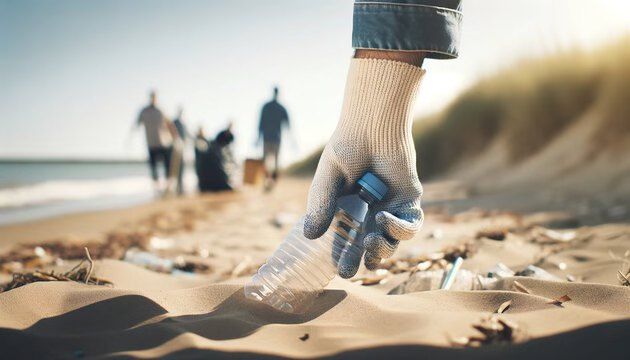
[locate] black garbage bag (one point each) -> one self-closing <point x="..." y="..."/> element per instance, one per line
<point x="210" y="164"/>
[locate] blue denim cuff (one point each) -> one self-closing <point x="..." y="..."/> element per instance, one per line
<point x="432" y="26"/>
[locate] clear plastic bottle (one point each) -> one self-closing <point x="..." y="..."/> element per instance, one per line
<point x="300" y="268"/>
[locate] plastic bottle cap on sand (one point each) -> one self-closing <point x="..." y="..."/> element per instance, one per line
<point x="373" y="185"/>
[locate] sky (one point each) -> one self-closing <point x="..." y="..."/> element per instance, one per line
<point x="74" y="74"/>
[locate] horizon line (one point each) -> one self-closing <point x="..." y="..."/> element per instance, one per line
<point x="68" y="160"/>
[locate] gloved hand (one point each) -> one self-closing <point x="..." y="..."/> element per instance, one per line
<point x="373" y="134"/>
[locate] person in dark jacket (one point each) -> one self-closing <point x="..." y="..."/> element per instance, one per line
<point x="273" y="119"/>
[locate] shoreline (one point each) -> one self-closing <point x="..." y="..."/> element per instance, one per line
<point x="57" y="209"/>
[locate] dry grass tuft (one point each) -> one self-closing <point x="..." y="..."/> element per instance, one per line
<point x="529" y="105"/>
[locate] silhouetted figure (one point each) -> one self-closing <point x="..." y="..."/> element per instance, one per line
<point x="212" y="159"/>
<point x="159" y="134"/>
<point x="273" y="118"/>
<point x="182" y="136"/>
<point x="225" y="137"/>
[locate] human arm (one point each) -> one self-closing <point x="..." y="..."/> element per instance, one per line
<point x="374" y="131"/>
<point x="285" y="119"/>
<point x="139" y="120"/>
<point x="373" y="134"/>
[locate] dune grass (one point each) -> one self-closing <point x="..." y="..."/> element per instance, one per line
<point x="528" y="105"/>
<point x="614" y="100"/>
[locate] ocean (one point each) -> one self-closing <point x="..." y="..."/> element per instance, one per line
<point x="35" y="190"/>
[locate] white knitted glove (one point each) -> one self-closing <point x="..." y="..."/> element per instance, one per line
<point x="373" y="134"/>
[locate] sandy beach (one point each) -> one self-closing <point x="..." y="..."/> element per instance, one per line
<point x="201" y="314"/>
<point x="157" y="158"/>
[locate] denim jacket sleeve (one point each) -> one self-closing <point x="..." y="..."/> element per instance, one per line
<point x="432" y="26"/>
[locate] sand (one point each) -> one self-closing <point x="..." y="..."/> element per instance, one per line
<point x="148" y="314"/>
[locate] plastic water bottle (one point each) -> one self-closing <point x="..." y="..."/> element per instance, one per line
<point x="148" y="260"/>
<point x="300" y="268"/>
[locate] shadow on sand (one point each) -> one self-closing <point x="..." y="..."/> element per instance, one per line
<point x="135" y="322"/>
<point x="600" y="341"/>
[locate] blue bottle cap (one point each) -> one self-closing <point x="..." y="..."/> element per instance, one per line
<point x="373" y="185"/>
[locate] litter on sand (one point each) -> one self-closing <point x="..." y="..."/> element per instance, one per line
<point x="79" y="273"/>
<point x="497" y="234"/>
<point x="548" y="236"/>
<point x="536" y="272"/>
<point x="503" y="307"/>
<point x="520" y="287"/>
<point x="450" y="276"/>
<point x="500" y="270"/>
<point x="559" y="301"/>
<point x="372" y="280"/>
<point x="492" y="330"/>
<point x="623" y="274"/>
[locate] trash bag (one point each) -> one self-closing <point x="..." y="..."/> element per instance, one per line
<point x="210" y="161"/>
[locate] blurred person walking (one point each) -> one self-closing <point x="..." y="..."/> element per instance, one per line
<point x="177" y="161"/>
<point x="273" y="118"/>
<point x="159" y="133"/>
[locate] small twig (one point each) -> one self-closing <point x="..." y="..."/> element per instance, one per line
<point x="559" y="301"/>
<point x="89" y="259"/>
<point x="76" y="267"/>
<point x="520" y="288"/>
<point x="504" y="307"/>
